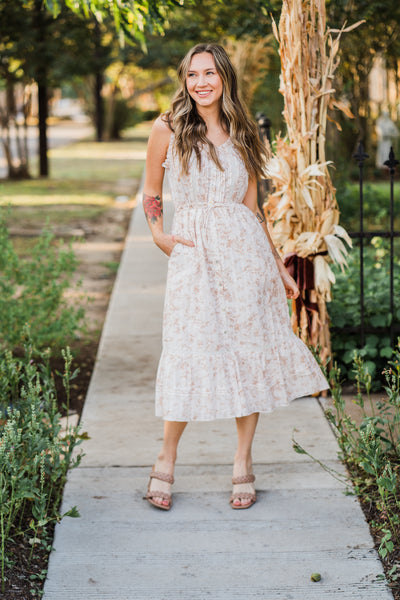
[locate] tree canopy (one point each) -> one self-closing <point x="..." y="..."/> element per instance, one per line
<point x="58" y="40"/>
<point x="131" y="17"/>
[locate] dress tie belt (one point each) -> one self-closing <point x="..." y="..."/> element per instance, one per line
<point x="210" y="207"/>
<point x="207" y="209"/>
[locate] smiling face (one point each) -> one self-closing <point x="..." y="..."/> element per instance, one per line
<point x="203" y="81"/>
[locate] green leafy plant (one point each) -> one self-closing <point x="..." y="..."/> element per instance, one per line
<point x="35" y="451"/>
<point x="345" y="310"/>
<point x="375" y="204"/>
<point x="370" y="448"/>
<point x="32" y="291"/>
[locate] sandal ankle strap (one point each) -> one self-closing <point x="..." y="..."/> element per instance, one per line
<point x="243" y="479"/>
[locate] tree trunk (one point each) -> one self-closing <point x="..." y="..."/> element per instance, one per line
<point x="41" y="79"/>
<point x="99" y="107"/>
<point x="10" y="135"/>
<point x="109" y="115"/>
<point x="42" y="103"/>
<point x="99" y="79"/>
<point x="26" y="111"/>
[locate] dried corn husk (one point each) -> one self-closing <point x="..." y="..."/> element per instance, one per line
<point x="302" y="211"/>
<point x="323" y="278"/>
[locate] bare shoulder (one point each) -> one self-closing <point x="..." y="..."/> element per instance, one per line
<point x="161" y="129"/>
<point x="159" y="139"/>
<point x="157" y="149"/>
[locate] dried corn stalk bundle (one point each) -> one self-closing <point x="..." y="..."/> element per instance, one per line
<point x="302" y="209"/>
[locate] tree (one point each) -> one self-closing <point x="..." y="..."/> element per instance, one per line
<point x="11" y="21"/>
<point x="32" y="47"/>
<point x="132" y="18"/>
<point x="379" y="35"/>
<point x="37" y="47"/>
<point x="244" y="36"/>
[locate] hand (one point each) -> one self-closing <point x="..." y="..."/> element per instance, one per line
<point x="168" y="242"/>
<point x="292" y="291"/>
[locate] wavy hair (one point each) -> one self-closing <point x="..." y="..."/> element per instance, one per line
<point x="190" y="129"/>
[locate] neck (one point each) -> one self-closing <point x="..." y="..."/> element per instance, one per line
<point x="211" y="116"/>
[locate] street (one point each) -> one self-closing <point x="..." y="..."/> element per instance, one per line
<point x="65" y="132"/>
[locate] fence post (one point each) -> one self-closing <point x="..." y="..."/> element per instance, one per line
<point x="360" y="156"/>
<point x="264" y="128"/>
<point x="391" y="164"/>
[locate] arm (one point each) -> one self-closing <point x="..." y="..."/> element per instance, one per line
<point x="250" y="200"/>
<point x="152" y="191"/>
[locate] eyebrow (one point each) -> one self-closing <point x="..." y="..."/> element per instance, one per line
<point x="207" y="69"/>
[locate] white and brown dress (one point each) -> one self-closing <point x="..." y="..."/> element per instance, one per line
<point x="228" y="346"/>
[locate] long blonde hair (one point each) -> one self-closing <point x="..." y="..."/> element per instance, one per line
<point x="190" y="129"/>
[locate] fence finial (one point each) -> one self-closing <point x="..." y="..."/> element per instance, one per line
<point x="360" y="155"/>
<point x="392" y="162"/>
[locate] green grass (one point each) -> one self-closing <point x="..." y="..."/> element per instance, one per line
<point x="83" y="169"/>
<point x="376" y="204"/>
<point x="83" y="181"/>
<point x="90" y="160"/>
<point x="112" y="265"/>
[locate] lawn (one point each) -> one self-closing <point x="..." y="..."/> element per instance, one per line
<point x="376" y="205"/>
<point x="85" y="179"/>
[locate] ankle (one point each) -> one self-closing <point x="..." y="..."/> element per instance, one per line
<point x="167" y="459"/>
<point x="242" y="462"/>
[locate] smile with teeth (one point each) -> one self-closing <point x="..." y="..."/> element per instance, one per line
<point x="204" y="92"/>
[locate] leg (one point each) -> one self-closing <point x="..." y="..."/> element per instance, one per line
<point x="167" y="457"/>
<point x="246" y="428"/>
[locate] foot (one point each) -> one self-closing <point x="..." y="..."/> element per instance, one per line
<point x="166" y="467"/>
<point x="243" y="469"/>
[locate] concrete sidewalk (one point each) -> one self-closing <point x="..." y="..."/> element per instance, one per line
<point x="124" y="549"/>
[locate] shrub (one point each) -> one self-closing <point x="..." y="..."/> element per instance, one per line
<point x="35" y="453"/>
<point x="32" y="291"/>
<point x="125" y="116"/>
<point x="345" y="310"/>
<point x="371" y="450"/>
<point x="376" y="205"/>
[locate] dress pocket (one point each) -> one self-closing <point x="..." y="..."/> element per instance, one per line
<point x="174" y="249"/>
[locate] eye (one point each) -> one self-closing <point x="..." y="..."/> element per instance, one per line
<point x="191" y="74"/>
<point x="210" y="72"/>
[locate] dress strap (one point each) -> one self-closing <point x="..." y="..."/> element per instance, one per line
<point x="167" y="162"/>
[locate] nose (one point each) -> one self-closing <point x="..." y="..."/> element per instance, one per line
<point x="202" y="80"/>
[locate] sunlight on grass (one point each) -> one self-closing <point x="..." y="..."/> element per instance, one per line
<point x="376" y="205"/>
<point x="60" y="215"/>
<point x="51" y="199"/>
<point x="82" y="165"/>
<point x="381" y="187"/>
<point x="85" y="178"/>
<point x="83" y="173"/>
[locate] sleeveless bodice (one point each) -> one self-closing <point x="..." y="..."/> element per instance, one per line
<point x="209" y="184"/>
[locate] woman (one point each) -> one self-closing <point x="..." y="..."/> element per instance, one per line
<point x="228" y="346"/>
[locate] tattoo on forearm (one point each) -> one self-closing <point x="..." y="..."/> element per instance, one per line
<point x="152" y="207"/>
<point x="260" y="217"/>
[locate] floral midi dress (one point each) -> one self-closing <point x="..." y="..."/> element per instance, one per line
<point x="228" y="349"/>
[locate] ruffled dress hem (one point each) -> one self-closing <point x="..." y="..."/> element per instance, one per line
<point x="232" y="388"/>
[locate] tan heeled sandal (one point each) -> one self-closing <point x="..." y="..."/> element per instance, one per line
<point x="251" y="497"/>
<point x="155" y="494"/>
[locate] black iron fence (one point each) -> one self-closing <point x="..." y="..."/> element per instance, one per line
<point x="362" y="235"/>
<point x="264" y="128"/>
<point x="360" y="329"/>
